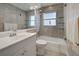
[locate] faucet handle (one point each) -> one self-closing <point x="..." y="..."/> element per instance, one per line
<point x="10" y="35"/>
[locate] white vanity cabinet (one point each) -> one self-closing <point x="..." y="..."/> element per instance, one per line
<point x="26" y="47"/>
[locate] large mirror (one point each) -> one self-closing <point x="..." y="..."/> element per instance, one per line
<point x="12" y="17"/>
<point x="16" y="16"/>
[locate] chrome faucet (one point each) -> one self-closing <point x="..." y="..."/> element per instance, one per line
<point x="13" y="33"/>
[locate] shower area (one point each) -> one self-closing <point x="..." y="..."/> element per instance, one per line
<point x="50" y="26"/>
<point x="52" y="21"/>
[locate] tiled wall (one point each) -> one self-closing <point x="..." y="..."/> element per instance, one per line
<point x="54" y="31"/>
<point x="11" y="14"/>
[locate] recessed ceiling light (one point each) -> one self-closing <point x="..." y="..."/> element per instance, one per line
<point x="50" y="7"/>
<point x="34" y="7"/>
<point x="40" y="10"/>
<point x="31" y="8"/>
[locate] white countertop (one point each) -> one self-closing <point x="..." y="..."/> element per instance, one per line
<point x="8" y="41"/>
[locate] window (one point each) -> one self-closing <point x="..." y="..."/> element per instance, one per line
<point x="49" y="19"/>
<point x="32" y="20"/>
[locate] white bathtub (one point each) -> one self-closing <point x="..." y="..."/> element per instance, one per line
<point x="55" y="44"/>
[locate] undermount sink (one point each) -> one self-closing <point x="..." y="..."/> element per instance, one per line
<point x="5" y="40"/>
<point x="23" y="34"/>
<point x="19" y="34"/>
<point x="31" y="30"/>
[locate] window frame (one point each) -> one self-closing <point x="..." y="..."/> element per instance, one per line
<point x="31" y="21"/>
<point x="49" y="18"/>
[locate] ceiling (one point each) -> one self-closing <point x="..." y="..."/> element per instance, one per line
<point x="27" y="6"/>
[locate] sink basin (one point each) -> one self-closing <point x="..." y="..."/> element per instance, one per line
<point x="6" y="40"/>
<point x="23" y="34"/>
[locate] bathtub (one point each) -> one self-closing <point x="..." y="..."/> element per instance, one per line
<point x="55" y="46"/>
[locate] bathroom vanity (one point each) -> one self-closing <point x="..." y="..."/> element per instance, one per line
<point x="23" y="44"/>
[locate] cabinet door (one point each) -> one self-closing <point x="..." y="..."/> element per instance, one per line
<point x="10" y="51"/>
<point x="30" y="46"/>
<point x="30" y="52"/>
<point x="20" y="52"/>
<point x="26" y="47"/>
